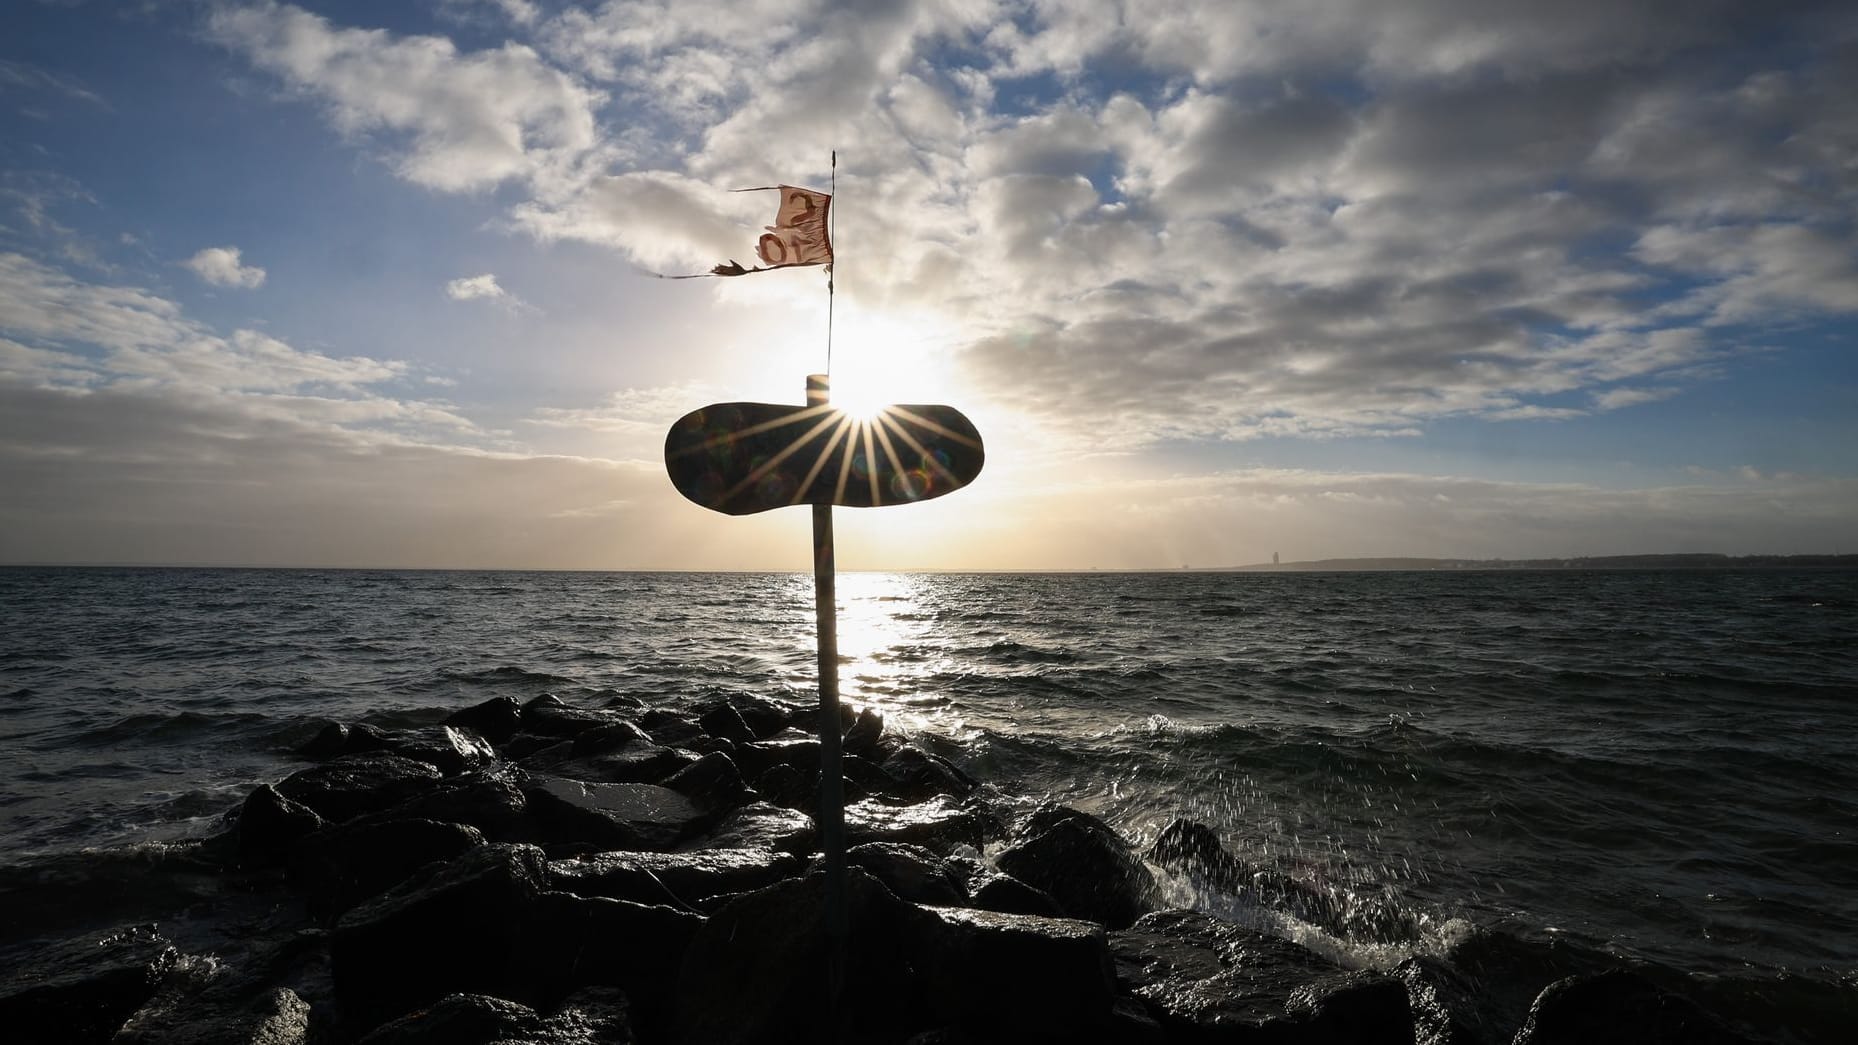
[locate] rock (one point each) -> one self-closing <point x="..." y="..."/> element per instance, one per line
<point x="755" y="972"/>
<point x="1210" y="980"/>
<point x="618" y="736"/>
<point x="784" y="785"/>
<point x="1018" y="977"/>
<point x="490" y="799"/>
<point x="338" y="739"/>
<point x="861" y="739"/>
<point x="477" y="1019"/>
<point x="450" y="928"/>
<point x="800" y="753"/>
<point x="911" y="872"/>
<point x="344" y="865"/>
<point x="278" y="1016"/>
<point x="355" y="784"/>
<point x="1190" y="848"/>
<point x="939" y="824"/>
<point x="1009" y="895"/>
<point x="766" y="716"/>
<point x="678" y="879"/>
<point x="449" y="749"/>
<point x="724" y="722"/>
<point x="712" y="781"/>
<point x="268" y="824"/>
<point x="1510" y="971"/>
<point x="611" y="816"/>
<point x="83" y="990"/>
<point x="1619" y="1007"/>
<point x="549" y="716"/>
<point x="760" y="825"/>
<point x="915" y="774"/>
<point x="672" y="728"/>
<point x="1085" y="866"/>
<point x="570" y="942"/>
<point x="639" y="764"/>
<point x="496" y="719"/>
<point x="1445" y="1004"/>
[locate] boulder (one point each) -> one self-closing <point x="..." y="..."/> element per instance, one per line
<point x="1084" y="865"/>
<point x="549" y="716"/>
<point x="449" y="749"/>
<point x="798" y="752"/>
<point x="784" y="785"/>
<point x="940" y="824"/>
<point x="672" y="728"/>
<point x="914" y="774"/>
<point x="496" y="719"/>
<point x="761" y="825"/>
<point x="724" y="722"/>
<point x="619" y="736"/>
<point x="861" y="739"/>
<point x="490" y="799"/>
<point x="277" y="1016"/>
<point x="1445" y="1005"/>
<point x="355" y="784"/>
<point x="590" y="1018"/>
<point x="678" y="879"/>
<point x="1619" y="1007"/>
<point x="1016" y="977"/>
<point x="911" y="872"/>
<point x="639" y="764"/>
<point x="339" y="867"/>
<point x="756" y="972"/>
<point x="1208" y="980"/>
<point x="450" y="928"/>
<point x="1009" y="895"/>
<point x="712" y="781"/>
<point x="571" y="942"/>
<point x="337" y="739"/>
<point x="767" y="716"/>
<point x="84" y="989"/>
<point x="1192" y="849"/>
<point x="268" y="824"/>
<point x="611" y="816"/>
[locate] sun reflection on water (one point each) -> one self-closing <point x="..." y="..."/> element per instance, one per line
<point x="889" y="652"/>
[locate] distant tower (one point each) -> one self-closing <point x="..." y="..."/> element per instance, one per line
<point x="1274" y="558"/>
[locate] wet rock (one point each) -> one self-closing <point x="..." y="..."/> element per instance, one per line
<point x="571" y="942"/>
<point x="712" y="781"/>
<point x="1510" y="971"/>
<point x="619" y="736"/>
<point x="490" y="799"/>
<point x="449" y="928"/>
<point x="797" y="752"/>
<point x="647" y="764"/>
<point x="678" y="879"/>
<point x="278" y="1016"/>
<point x="1017" y="977"/>
<point x="268" y="824"/>
<point x="724" y="722"/>
<point x="449" y="749"/>
<point x="478" y="1019"/>
<point x="767" y="716"/>
<point x="784" y="785"/>
<point x="83" y="990"/>
<point x="761" y="825"/>
<point x="1009" y="895"/>
<point x="337" y="739"/>
<point x="533" y="748"/>
<point x="339" y="867"/>
<point x="496" y="719"/>
<point x="611" y="816"/>
<point x="940" y="824"/>
<point x="672" y="728"/>
<point x="355" y="784"/>
<point x="1619" y="1007"/>
<point x="1210" y="980"/>
<point x="753" y="973"/>
<point x="563" y="722"/>
<point x="1193" y="849"/>
<point x="1445" y="1005"/>
<point x="1085" y="866"/>
<point x="914" y="774"/>
<point x="861" y="739"/>
<point x="911" y="872"/>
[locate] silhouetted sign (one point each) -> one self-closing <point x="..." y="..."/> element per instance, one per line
<point x="743" y="458"/>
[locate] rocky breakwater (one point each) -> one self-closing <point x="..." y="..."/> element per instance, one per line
<point x="551" y="874"/>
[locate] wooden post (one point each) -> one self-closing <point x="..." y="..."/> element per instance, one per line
<point x="831" y="769"/>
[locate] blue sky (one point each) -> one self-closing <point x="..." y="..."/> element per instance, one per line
<point x="363" y="284"/>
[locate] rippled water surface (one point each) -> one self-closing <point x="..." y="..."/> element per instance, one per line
<point x="1662" y="764"/>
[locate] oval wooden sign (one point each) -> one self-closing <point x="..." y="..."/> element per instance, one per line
<point x="743" y="458"/>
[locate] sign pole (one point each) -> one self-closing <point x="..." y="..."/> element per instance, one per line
<point x="831" y="779"/>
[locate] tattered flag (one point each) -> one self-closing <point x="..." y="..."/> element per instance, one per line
<point x="798" y="236"/>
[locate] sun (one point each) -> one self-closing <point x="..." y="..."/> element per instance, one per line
<point x="882" y="359"/>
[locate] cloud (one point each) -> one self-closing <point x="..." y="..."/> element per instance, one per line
<point x="222" y="267"/>
<point x="485" y="288"/>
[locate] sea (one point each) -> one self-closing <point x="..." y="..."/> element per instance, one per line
<point x="1659" y="766"/>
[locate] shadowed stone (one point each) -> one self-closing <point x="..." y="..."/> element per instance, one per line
<point x="355" y="784"/>
<point x="679" y="879"/>
<point x="611" y="816"/>
<point x="83" y="990"/>
<point x="939" y="824"/>
<point x="1619" y="1006"/>
<point x="269" y="823"/>
<point x="1084" y="865"/>
<point x="344" y="865"/>
<point x="761" y="825"/>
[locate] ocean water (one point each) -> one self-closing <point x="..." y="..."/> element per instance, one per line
<point x="1659" y="765"/>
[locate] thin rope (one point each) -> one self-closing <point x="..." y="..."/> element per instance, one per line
<point x="832" y="234"/>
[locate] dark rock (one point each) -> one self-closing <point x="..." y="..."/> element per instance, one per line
<point x="724" y="722"/>
<point x="1017" y="977"/>
<point x="635" y="765"/>
<point x="617" y="736"/>
<point x="911" y="872"/>
<point x="800" y="753"/>
<point x="754" y="973"/>
<point x="671" y="728"/>
<point x="760" y="825"/>
<point x="1085" y="866"/>
<point x="707" y="745"/>
<point x="1209" y="980"/>
<point x="496" y="719"/>
<point x="572" y="942"/>
<point x="1619" y="1007"/>
<point x="915" y="774"/>
<point x="268" y="824"/>
<point x="1510" y="971"/>
<point x="1193" y="849"/>
<point x="1445" y="1005"/>
<point x="712" y="781"/>
<point x="338" y="739"/>
<point x="766" y="716"/>
<point x="861" y="739"/>
<point x="939" y="824"/>
<point x="1009" y="895"/>
<point x="490" y="799"/>
<point x="678" y="879"/>
<point x="449" y="749"/>
<point x="83" y="990"/>
<point x="478" y="1019"/>
<point x="784" y="785"/>
<point x="523" y="747"/>
<point x="278" y="1016"/>
<point x="356" y="784"/>
<point x="339" y="867"/>
<point x="611" y="816"/>
<point x="450" y="928"/>
<point x="559" y="720"/>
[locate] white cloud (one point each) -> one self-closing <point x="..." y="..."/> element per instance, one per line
<point x="485" y="288"/>
<point x="223" y="267"/>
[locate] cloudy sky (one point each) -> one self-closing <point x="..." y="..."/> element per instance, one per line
<point x="346" y="283"/>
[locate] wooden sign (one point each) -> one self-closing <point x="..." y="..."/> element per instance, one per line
<point x="743" y="458"/>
